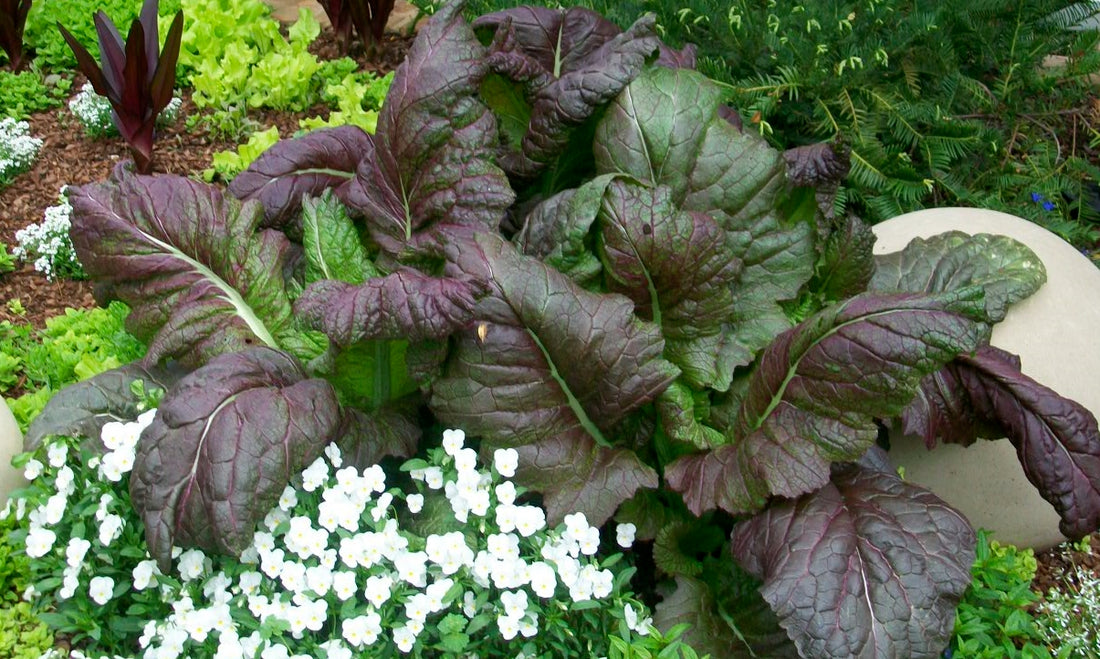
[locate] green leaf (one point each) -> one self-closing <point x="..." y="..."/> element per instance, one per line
<point x="331" y="243"/>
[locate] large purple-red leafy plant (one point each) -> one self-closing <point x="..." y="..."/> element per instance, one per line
<point x="136" y="76"/>
<point x="558" y="241"/>
<point x="13" y="18"/>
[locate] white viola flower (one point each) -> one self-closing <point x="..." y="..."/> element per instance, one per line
<point x="508" y="627"/>
<point x="117" y="463"/>
<point x="506" y="517"/>
<point x="453" y="441"/>
<point x="39" y="541"/>
<point x="335" y="649"/>
<point x="101" y="510"/>
<point x="319" y="579"/>
<point x="275" y="652"/>
<point x="641" y="626"/>
<point x="509" y="573"/>
<point x="514" y="603"/>
<point x="110" y="529"/>
<point x="56" y="454"/>
<point x="113" y="435"/>
<point x="229" y="647"/>
<point x="418" y="607"/>
<point x="568" y="569"/>
<point x="144" y="420"/>
<point x="361" y="630"/>
<point x="316" y="613"/>
<point x="404" y="638"/>
<point x="293" y="576"/>
<point x="465" y="460"/>
<point x="375" y="478"/>
<point x="436" y="592"/>
<point x="576" y="525"/>
<point x="101" y="589"/>
<point x="602" y="583"/>
<point x="528" y="626"/>
<point x="249" y="583"/>
<point x="469" y="604"/>
<point x="33" y="469"/>
<point x="414" y="502"/>
<point x="332" y="452"/>
<point x="55" y="508"/>
<point x="216" y="589"/>
<point x="414" y="626"/>
<point x="343" y="584"/>
<point x="69" y="584"/>
<point x="505" y="460"/>
<point x="143" y="574"/>
<point x="479" y="503"/>
<point x="530" y="520"/>
<point x="315" y="475"/>
<point x="589" y="542"/>
<point x="411" y="567"/>
<point x="433" y="477"/>
<point x="506" y="493"/>
<point x="378" y="589"/>
<point x="542" y="579"/>
<point x="288" y="499"/>
<point x="191" y="564"/>
<point x="504" y="545"/>
<point x="624" y="534"/>
<point x="263" y="541"/>
<point x="65" y="481"/>
<point x="382" y="507"/>
<point x="274" y="518"/>
<point x="348" y="480"/>
<point x="75" y="552"/>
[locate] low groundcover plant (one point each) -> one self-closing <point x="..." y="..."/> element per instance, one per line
<point x="47" y="243"/>
<point x="17" y="149"/>
<point x="449" y="564"/>
<point x="561" y="241"/>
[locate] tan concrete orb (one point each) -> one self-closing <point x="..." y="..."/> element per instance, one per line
<point x="11" y="444"/>
<point x="1056" y="333"/>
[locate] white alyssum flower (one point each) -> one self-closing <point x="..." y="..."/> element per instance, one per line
<point x="48" y="242"/>
<point x="94" y="112"/>
<point x="17" y="148"/>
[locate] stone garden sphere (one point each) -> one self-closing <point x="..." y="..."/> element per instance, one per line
<point x="1056" y="333"/>
<point x="11" y="444"/>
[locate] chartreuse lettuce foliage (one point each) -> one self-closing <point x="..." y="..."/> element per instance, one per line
<point x="557" y="241"/>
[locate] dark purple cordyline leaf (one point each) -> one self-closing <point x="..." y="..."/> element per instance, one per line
<point x="225" y="442"/>
<point x="1005" y="268"/>
<point x="847" y="262"/>
<point x="405" y="304"/>
<point x="82" y="409"/>
<point x="369" y="18"/>
<point x="665" y="129"/>
<point x="339" y="16"/>
<point x="1056" y="439"/>
<point x="199" y="278"/>
<point x="695" y="603"/>
<point x="365" y="438"/>
<point x="572" y="62"/>
<point x="432" y="162"/>
<point x="676" y="267"/>
<point x="321" y="160"/>
<point x="814" y="396"/>
<point x="552" y="370"/>
<point x="137" y="82"/>
<point x="866" y="567"/>
<point x="13" y="18"/>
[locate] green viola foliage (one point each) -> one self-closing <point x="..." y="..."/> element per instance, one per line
<point x="994" y="618"/>
<point x="561" y="240"/>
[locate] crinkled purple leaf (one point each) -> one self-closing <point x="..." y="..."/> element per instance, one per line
<point x="665" y="128"/>
<point x="225" y="442"/>
<point x="847" y="262"/>
<point x="1007" y="269"/>
<point x="676" y="267"/>
<point x="572" y="62"/>
<point x="404" y="304"/>
<point x="367" y="437"/>
<point x="1056" y="439"/>
<point x="677" y="59"/>
<point x="198" y="276"/>
<point x="82" y="409"/>
<point x="866" y="567"/>
<point x="552" y="370"/>
<point x="814" y="396"/>
<point x="558" y="231"/>
<point x="432" y="162"/>
<point x="695" y="603"/>
<point x="321" y="160"/>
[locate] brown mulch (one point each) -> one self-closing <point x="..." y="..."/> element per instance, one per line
<point x="1059" y="564"/>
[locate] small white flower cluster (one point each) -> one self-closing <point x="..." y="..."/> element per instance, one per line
<point x="1071" y="621"/>
<point x="49" y="243"/>
<point x="348" y="553"/>
<point x="43" y="519"/>
<point x="17" y="148"/>
<point x="94" y="112"/>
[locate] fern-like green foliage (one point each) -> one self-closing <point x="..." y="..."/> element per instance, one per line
<point x="942" y="102"/>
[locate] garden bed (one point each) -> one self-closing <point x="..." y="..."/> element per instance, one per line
<point x="68" y="157"/>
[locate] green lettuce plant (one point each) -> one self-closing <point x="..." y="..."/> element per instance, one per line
<point x="24" y="93"/>
<point x="562" y="241"/>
